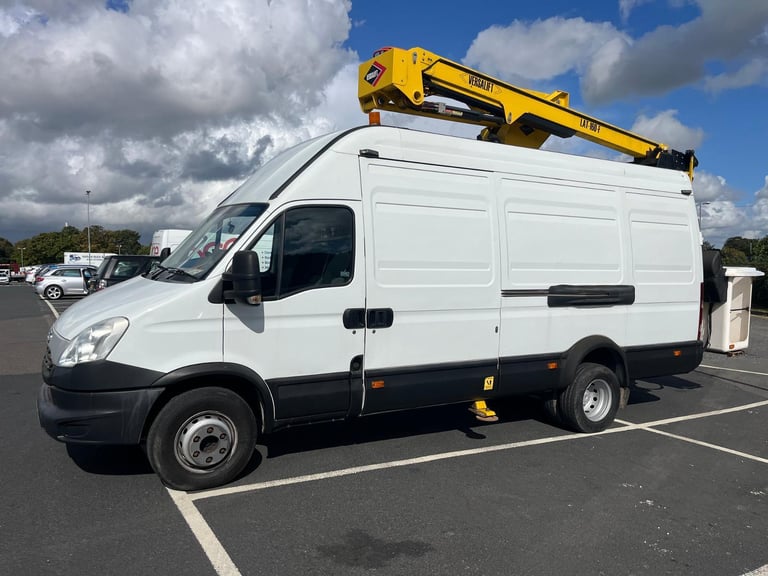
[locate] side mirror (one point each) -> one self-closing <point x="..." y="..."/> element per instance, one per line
<point x="245" y="277"/>
<point x="164" y="253"/>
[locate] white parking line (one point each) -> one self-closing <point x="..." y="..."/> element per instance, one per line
<point x="224" y="566"/>
<point x="461" y="453"/>
<point x="700" y="443"/>
<point x="762" y="571"/>
<point x="213" y="549"/>
<point x="48" y="302"/>
<point x="698" y="415"/>
<point x="732" y="370"/>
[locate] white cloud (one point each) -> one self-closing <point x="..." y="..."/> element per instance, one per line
<point x="540" y="50"/>
<point x="751" y="73"/>
<point x="710" y="188"/>
<point x="627" y="6"/>
<point x="673" y="56"/>
<point x="159" y="111"/>
<point x="763" y="192"/>
<point x="722" y="217"/>
<point x="664" y="127"/>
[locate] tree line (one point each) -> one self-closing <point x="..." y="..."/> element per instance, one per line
<point x="49" y="247"/>
<point x="738" y="251"/>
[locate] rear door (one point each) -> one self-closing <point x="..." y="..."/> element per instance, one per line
<point x="70" y="280"/>
<point x="433" y="293"/>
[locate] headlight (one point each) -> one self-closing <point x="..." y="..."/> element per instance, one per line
<point x="94" y="343"/>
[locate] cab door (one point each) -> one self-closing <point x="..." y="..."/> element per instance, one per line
<point x="296" y="340"/>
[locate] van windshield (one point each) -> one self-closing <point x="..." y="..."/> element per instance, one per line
<point x="206" y="245"/>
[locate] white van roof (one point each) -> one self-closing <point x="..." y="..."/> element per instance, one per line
<point x="429" y="148"/>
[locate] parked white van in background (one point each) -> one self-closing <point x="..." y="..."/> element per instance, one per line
<point x="168" y="238"/>
<point x="404" y="269"/>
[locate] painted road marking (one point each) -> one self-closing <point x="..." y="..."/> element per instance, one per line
<point x="224" y="566"/>
<point x="762" y="571"/>
<point x="459" y="454"/>
<point x="700" y="443"/>
<point x="211" y="545"/>
<point x="733" y="370"/>
<point x="55" y="313"/>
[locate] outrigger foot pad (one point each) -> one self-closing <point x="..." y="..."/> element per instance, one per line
<point x="482" y="412"/>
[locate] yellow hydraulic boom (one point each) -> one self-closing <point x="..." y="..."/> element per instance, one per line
<point x="400" y="80"/>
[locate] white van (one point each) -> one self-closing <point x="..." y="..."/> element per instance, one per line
<point x="167" y="238"/>
<point x="382" y="269"/>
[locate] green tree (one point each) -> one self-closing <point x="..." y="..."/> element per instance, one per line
<point x="739" y="244"/>
<point x="6" y="251"/>
<point x="734" y="257"/>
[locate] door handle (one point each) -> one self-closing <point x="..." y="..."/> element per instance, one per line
<point x="380" y="318"/>
<point x="354" y="318"/>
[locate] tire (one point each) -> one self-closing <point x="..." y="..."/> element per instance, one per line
<point x="53" y="292"/>
<point x="551" y="411"/>
<point x="591" y="401"/>
<point x="202" y="439"/>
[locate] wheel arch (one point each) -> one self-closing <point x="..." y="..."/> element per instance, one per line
<point x="239" y="379"/>
<point x="598" y="350"/>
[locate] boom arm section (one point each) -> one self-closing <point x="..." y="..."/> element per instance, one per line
<point x="400" y="80"/>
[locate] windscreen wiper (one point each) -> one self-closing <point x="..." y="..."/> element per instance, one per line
<point x="173" y="272"/>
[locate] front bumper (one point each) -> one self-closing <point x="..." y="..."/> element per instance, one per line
<point x="109" y="417"/>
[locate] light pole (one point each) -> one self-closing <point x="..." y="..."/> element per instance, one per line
<point x="22" y="256"/>
<point x="118" y="248"/>
<point x="699" y="205"/>
<point x="88" y="202"/>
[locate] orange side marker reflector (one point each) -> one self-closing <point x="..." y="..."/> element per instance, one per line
<point x="377" y="384"/>
<point x="552" y="365"/>
<point x="677" y="353"/>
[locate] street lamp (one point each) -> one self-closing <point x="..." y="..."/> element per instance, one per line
<point x="22" y="256"/>
<point x="88" y="202"/>
<point x="699" y="205"/>
<point x="118" y="248"/>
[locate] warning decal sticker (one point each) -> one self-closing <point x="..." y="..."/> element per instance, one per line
<point x="375" y="72"/>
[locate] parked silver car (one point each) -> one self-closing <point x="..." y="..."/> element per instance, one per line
<point x="64" y="281"/>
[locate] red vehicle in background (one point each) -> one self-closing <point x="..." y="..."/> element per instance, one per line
<point x="13" y="272"/>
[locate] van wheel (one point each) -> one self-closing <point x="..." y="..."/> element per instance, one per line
<point x="551" y="410"/>
<point x="590" y="403"/>
<point x="201" y="439"/>
<point x="53" y="292"/>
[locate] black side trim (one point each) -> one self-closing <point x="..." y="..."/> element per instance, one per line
<point x="567" y="295"/>
<point x="429" y="385"/>
<point x="326" y="395"/>
<point x="664" y="359"/>
<point x="529" y="374"/>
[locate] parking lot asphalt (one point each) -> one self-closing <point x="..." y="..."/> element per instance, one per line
<point x="679" y="485"/>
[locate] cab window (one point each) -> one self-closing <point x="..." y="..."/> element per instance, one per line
<point x="306" y="248"/>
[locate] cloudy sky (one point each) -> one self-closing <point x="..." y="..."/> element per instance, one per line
<point x="161" y="107"/>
